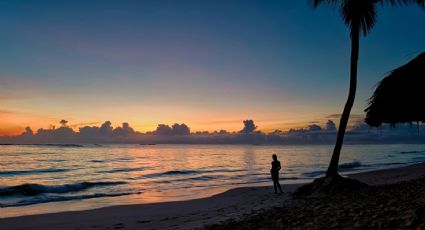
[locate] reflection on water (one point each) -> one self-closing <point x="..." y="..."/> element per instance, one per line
<point x="37" y="179"/>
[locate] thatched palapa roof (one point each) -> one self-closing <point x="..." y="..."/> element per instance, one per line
<point x="399" y="97"/>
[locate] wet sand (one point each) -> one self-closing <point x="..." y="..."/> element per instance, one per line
<point x="228" y="207"/>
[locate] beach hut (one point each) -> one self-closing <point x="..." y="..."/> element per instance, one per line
<point x="399" y="97"/>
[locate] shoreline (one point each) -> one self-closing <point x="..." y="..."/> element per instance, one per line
<point x="233" y="204"/>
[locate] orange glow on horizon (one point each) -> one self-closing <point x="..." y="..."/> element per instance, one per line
<point x="12" y="127"/>
<point x="11" y="130"/>
<point x="146" y="118"/>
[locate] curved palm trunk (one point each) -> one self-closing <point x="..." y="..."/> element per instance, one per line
<point x="333" y="166"/>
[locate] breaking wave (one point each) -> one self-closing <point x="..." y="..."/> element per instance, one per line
<point x="36" y="189"/>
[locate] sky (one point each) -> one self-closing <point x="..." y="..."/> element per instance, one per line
<point x="208" y="64"/>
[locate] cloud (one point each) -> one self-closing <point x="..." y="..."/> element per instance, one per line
<point x="180" y="129"/>
<point x="249" y="126"/>
<point x="84" y="124"/>
<point x="176" y="129"/>
<point x="163" y="130"/>
<point x="338" y="116"/>
<point x="105" y="133"/>
<point x="124" y="131"/>
<point x="314" y="122"/>
<point x="102" y="134"/>
<point x="180" y="133"/>
<point x="330" y="126"/>
<point x="314" y="127"/>
<point x="360" y="133"/>
<point x="354" y="118"/>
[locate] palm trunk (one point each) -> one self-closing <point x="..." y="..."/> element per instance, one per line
<point x="333" y="166"/>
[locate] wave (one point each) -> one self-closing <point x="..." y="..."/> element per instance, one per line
<point x="52" y="160"/>
<point x="35" y="171"/>
<point x="98" y="161"/>
<point x="413" y="152"/>
<point x="225" y="170"/>
<point x="418" y="159"/>
<point x="342" y="167"/>
<point x="125" y="159"/>
<point x="200" y="178"/>
<point x="314" y="173"/>
<point x="172" y="173"/>
<point x="189" y="172"/>
<point x="47" y="199"/>
<point x="180" y="172"/>
<point x="117" y="170"/>
<point x="263" y="178"/>
<point x="380" y="165"/>
<point x="350" y="165"/>
<point x="36" y="189"/>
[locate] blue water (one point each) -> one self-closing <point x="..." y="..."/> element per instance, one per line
<point x="48" y="178"/>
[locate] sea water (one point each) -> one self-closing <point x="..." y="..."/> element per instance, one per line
<point x="51" y="178"/>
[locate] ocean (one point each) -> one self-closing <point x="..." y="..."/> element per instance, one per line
<point x="51" y="178"/>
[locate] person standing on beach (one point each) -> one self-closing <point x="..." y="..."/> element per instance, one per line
<point x="275" y="173"/>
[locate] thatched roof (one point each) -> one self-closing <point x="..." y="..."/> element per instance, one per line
<point x="399" y="97"/>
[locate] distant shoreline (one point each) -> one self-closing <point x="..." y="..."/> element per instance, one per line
<point x="190" y="214"/>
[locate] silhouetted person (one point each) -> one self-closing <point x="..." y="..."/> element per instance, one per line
<point x="275" y="173"/>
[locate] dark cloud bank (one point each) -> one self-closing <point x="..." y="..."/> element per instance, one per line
<point x="249" y="134"/>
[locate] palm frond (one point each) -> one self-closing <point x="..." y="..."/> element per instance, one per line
<point x="420" y="3"/>
<point x="399" y="97"/>
<point x="316" y="3"/>
<point x="359" y="15"/>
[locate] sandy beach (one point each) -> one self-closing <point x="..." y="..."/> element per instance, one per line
<point x="231" y="206"/>
<point x="192" y="214"/>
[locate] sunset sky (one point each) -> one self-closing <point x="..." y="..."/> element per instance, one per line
<point x="209" y="64"/>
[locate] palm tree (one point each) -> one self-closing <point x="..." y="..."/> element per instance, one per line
<point x="360" y="17"/>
